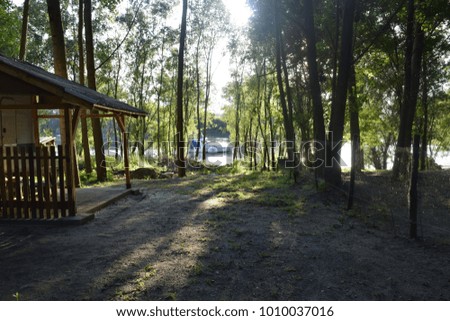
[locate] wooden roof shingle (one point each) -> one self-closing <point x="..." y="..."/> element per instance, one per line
<point x="70" y="92"/>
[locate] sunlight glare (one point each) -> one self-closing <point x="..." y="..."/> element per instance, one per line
<point x="239" y="10"/>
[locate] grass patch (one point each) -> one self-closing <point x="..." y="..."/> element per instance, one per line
<point x="197" y="269"/>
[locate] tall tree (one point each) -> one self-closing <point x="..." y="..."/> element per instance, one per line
<point x="287" y="113"/>
<point x="413" y="61"/>
<point x="90" y="65"/>
<point x="57" y="33"/>
<point x="23" y="37"/>
<point x="315" y="90"/>
<point x="59" y="51"/>
<point x="181" y="163"/>
<point x="81" y="66"/>
<point x="337" y="119"/>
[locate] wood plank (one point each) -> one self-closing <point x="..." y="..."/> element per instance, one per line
<point x="3" y="197"/>
<point x="60" y="175"/>
<point x="17" y="188"/>
<point x="126" y="160"/>
<point x="70" y="183"/>
<point x="36" y="126"/>
<point x="50" y="116"/>
<point x="31" y="168"/>
<point x="30" y="106"/>
<point x="54" y="181"/>
<point x="25" y="183"/>
<point x="99" y="115"/>
<point x="47" y="183"/>
<point x="121" y="122"/>
<point x="10" y="182"/>
<point x="39" y="185"/>
<point x="70" y="170"/>
<point x="75" y="120"/>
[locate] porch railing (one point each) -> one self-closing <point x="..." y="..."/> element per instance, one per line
<point x="34" y="183"/>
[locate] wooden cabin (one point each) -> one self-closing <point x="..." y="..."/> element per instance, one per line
<point x="36" y="179"/>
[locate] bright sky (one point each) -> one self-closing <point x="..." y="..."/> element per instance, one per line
<point x="239" y="10"/>
<point x="240" y="14"/>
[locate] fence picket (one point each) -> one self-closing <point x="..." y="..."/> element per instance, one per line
<point x="33" y="183"/>
<point x="4" y="202"/>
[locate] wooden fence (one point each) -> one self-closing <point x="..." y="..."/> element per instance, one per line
<point x="33" y="183"/>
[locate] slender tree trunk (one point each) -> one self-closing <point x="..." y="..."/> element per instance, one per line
<point x="354" y="118"/>
<point x="181" y="163"/>
<point x="141" y="104"/>
<point x="423" y="152"/>
<point x="207" y="93"/>
<point x="316" y="95"/>
<point x="355" y="135"/>
<point x="296" y="164"/>
<point x="83" y="120"/>
<point x="197" y="81"/>
<point x="90" y="64"/>
<point x="59" y="49"/>
<point x="337" y="118"/>
<point x="158" y="102"/>
<point x="187" y="114"/>
<point x="260" y="127"/>
<point x="116" y="90"/>
<point x="412" y="196"/>
<point x="289" y="130"/>
<point x="238" y="84"/>
<point x="23" y="38"/>
<point x="402" y="150"/>
<point x="336" y="49"/>
<point x="60" y="65"/>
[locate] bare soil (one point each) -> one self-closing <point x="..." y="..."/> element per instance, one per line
<point x="243" y="237"/>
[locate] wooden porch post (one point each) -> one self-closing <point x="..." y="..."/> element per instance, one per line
<point x="121" y="121"/>
<point x="35" y="122"/>
<point x="76" y="171"/>
<point x="69" y="161"/>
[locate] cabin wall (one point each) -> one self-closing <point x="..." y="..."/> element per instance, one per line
<point x="16" y="124"/>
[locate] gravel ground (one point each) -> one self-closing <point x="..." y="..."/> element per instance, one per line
<point x="243" y="237"/>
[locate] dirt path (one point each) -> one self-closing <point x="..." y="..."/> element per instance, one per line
<point x="221" y="238"/>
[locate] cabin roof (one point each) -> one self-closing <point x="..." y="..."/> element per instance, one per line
<point x="36" y="80"/>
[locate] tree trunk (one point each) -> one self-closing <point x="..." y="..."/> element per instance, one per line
<point x="90" y="64"/>
<point x="337" y="118"/>
<point x="207" y="94"/>
<point x="423" y="152"/>
<point x="354" y="119"/>
<point x="238" y="84"/>
<point x="181" y="163"/>
<point x="412" y="196"/>
<point x="376" y="160"/>
<point x="316" y="95"/>
<point x="59" y="50"/>
<point x="23" y="37"/>
<point x="336" y="49"/>
<point x="289" y="130"/>
<point x="158" y="102"/>
<point x="296" y="161"/>
<point x="197" y="81"/>
<point x="83" y="120"/>
<point x="60" y="65"/>
<point x="57" y="32"/>
<point x="402" y="150"/>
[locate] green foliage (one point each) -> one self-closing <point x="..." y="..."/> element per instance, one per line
<point x="10" y="27"/>
<point x="137" y="63"/>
